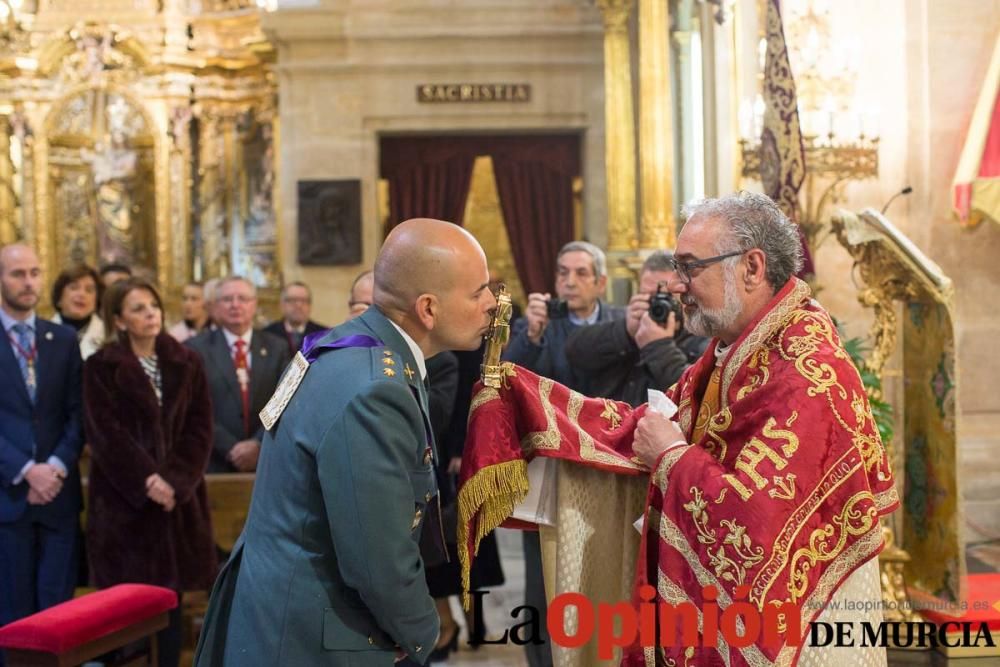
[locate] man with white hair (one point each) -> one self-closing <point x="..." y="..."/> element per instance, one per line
<point x="538" y="339"/>
<point x="243" y="366"/>
<point x="769" y="484"/>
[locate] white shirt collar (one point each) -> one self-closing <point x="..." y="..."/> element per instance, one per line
<point x="418" y="354"/>
<point x="590" y="319"/>
<point x="231" y="338"/>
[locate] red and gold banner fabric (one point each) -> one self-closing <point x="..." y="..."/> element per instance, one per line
<point x="782" y="152"/>
<point x="532" y="416"/>
<point x="778" y="499"/>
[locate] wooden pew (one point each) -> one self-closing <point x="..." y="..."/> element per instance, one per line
<point x="229" y="503"/>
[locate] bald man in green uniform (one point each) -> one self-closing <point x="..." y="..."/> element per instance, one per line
<point x="328" y="570"/>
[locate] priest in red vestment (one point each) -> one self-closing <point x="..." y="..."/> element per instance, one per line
<point x="769" y="485"/>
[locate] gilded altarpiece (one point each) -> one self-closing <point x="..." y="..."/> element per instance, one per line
<point x="145" y="135"/>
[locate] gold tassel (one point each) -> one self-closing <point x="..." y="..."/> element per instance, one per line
<point x="493" y="492"/>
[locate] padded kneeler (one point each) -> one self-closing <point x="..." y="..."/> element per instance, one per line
<point x="88" y="626"/>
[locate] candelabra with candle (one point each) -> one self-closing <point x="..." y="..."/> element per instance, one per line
<point x="831" y="163"/>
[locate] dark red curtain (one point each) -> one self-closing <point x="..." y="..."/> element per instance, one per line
<point x="430" y="177"/>
<point x="535" y="184"/>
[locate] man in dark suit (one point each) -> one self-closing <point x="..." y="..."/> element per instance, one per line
<point x="243" y="366"/>
<point x="294" y="325"/>
<point x="40" y="441"/>
<point x="328" y="569"/>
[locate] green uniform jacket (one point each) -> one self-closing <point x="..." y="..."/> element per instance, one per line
<point x="328" y="570"/>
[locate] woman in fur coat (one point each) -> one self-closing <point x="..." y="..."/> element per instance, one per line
<point x="148" y="419"/>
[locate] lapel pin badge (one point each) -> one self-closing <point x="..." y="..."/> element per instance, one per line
<point x="263" y="351"/>
<point x="48" y="335"/>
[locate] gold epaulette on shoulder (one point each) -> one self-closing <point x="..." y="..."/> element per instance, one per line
<point x="286" y="389"/>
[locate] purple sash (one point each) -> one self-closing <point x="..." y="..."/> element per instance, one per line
<point x="311" y="349"/>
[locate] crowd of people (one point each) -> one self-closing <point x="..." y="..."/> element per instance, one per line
<point x="158" y="408"/>
<point x="151" y="410"/>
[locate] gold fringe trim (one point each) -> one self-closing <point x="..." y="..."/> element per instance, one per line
<point x="489" y="498"/>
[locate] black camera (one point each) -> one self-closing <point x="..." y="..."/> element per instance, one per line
<point x="557" y="308"/>
<point x="662" y="304"/>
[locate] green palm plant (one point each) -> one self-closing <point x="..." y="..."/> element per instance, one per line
<point x="881" y="410"/>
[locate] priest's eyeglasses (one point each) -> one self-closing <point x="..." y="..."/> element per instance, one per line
<point x="684" y="268"/>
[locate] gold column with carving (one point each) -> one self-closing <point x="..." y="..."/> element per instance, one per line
<point x="211" y="175"/>
<point x="7" y="192"/>
<point x="97" y="146"/>
<point x="656" y="152"/>
<point x="40" y="232"/>
<point x="619" y="135"/>
<point x="163" y="232"/>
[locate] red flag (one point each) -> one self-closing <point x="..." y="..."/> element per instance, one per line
<point x="976" y="188"/>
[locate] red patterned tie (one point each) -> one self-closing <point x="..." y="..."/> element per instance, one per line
<point x="243" y="377"/>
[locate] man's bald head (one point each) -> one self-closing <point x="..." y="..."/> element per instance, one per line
<point x="361" y="294"/>
<point x="421" y="256"/>
<point x="431" y="279"/>
<point x="15" y="251"/>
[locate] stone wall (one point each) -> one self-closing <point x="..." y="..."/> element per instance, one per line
<point x="947" y="73"/>
<point x="348" y="73"/>
<point x="921" y="65"/>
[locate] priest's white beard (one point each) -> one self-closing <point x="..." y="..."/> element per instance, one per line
<point x="712" y="322"/>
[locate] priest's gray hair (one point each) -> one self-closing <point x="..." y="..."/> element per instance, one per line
<point x="755" y="221"/>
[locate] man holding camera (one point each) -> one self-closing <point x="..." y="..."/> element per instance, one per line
<point x="538" y="343"/>
<point x="538" y="340"/>
<point x="649" y="349"/>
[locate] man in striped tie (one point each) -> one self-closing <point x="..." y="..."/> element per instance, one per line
<point x="40" y="441"/>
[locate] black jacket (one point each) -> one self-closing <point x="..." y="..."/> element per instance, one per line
<point x="294" y="343"/>
<point x="549" y="358"/>
<point x="619" y="370"/>
<point x="269" y="357"/>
